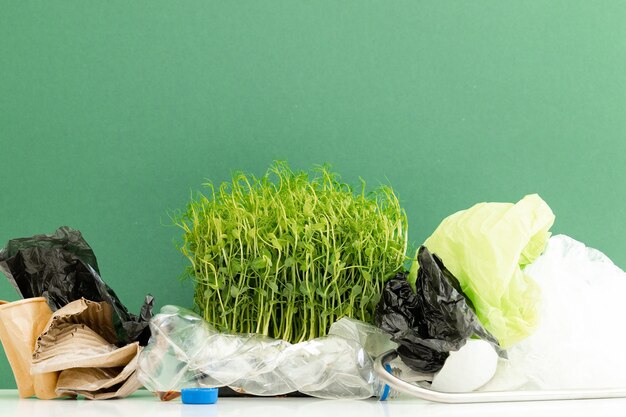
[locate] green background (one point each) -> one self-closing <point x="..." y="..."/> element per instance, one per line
<point x="111" y="113"/>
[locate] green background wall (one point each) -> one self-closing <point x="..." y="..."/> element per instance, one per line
<point x="112" y="112"/>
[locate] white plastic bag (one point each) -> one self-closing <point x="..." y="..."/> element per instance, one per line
<point x="581" y="337"/>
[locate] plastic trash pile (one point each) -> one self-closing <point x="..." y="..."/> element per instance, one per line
<point x="551" y="302"/>
<point x="70" y="335"/>
<point x="491" y="303"/>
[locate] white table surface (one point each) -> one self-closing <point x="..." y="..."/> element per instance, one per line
<point x="143" y="404"/>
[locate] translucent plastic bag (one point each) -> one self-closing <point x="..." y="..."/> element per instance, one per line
<point x="580" y="340"/>
<point x="185" y="351"/>
<point x="486" y="248"/>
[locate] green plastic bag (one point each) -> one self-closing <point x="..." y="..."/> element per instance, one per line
<point x="487" y="247"/>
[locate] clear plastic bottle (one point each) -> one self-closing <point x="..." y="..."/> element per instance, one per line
<point x="382" y="390"/>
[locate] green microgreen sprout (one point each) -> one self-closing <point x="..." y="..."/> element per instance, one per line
<point x="287" y="254"/>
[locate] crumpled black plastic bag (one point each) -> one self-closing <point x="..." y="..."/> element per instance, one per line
<point x="432" y="321"/>
<point x="62" y="268"/>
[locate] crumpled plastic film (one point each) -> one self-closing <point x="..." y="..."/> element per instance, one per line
<point x="431" y="321"/>
<point x="467" y="369"/>
<point x="63" y="268"/>
<point x="486" y="247"/>
<point x="185" y="351"/>
<point x="374" y="340"/>
<point x="580" y="340"/>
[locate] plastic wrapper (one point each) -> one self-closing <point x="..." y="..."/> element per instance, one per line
<point x="580" y="340"/>
<point x="467" y="369"/>
<point x="185" y="352"/>
<point x="486" y="247"/>
<point x="62" y="268"/>
<point x="430" y="322"/>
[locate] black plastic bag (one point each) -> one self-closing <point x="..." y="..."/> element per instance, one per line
<point x="62" y="268"/>
<point x="432" y="321"/>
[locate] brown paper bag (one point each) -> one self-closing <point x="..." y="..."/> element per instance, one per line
<point x="99" y="383"/>
<point x="21" y="322"/>
<point x="79" y="340"/>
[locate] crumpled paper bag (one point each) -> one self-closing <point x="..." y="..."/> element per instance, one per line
<point x="79" y="340"/>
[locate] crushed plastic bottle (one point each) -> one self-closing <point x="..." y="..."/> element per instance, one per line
<point x="187" y="352"/>
<point x="383" y="391"/>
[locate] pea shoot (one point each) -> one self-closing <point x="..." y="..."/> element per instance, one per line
<point x="287" y="254"/>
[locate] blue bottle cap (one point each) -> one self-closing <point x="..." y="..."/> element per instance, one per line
<point x="199" y="395"/>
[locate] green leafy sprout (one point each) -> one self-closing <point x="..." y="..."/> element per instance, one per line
<point x="287" y="254"/>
